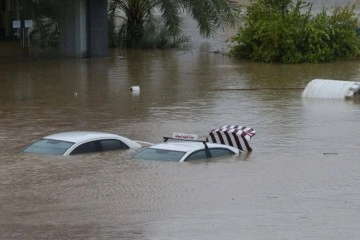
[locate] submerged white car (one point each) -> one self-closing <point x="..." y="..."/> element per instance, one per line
<point x="227" y="140"/>
<point x="76" y="142"/>
<point x="185" y="150"/>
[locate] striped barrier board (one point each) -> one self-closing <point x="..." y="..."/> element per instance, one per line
<point x="233" y="135"/>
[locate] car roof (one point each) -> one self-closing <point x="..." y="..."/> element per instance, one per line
<point x="186" y="146"/>
<point x="80" y="136"/>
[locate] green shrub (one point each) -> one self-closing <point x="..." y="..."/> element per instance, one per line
<point x="286" y="32"/>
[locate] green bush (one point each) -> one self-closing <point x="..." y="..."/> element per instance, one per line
<point x="286" y="32"/>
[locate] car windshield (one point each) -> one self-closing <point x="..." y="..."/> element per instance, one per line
<point x="159" y="154"/>
<point x="48" y="146"/>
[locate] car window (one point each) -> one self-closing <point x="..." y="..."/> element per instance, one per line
<point x="201" y="154"/>
<point x="212" y="152"/>
<point x="219" y="152"/>
<point x="88" y="147"/>
<point x="112" y="144"/>
<point x="159" y="154"/>
<point x="48" y="146"/>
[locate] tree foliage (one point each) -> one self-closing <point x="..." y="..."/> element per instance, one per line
<point x="161" y="20"/>
<point x="286" y="32"/>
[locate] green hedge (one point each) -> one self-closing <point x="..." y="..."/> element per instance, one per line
<point x="286" y="32"/>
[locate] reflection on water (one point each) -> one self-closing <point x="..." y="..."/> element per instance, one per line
<point x="286" y="186"/>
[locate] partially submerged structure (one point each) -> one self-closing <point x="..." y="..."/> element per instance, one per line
<point x="336" y="89"/>
<point x="83" y="28"/>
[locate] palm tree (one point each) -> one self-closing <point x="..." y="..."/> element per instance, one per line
<point x="139" y="15"/>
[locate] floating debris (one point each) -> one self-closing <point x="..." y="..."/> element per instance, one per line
<point x="135" y="88"/>
<point x="324" y="88"/>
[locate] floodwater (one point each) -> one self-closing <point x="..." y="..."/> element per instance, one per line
<point x="300" y="182"/>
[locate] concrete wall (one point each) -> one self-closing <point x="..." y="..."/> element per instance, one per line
<point x="83" y="29"/>
<point x="97" y="26"/>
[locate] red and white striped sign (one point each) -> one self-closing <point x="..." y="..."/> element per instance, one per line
<point x="233" y="135"/>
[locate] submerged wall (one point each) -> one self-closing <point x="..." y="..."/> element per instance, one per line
<point x="97" y="20"/>
<point x="83" y="28"/>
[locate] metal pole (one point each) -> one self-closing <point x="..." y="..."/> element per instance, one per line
<point x="23" y="36"/>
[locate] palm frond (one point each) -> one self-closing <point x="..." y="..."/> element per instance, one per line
<point x="170" y="14"/>
<point x="209" y="14"/>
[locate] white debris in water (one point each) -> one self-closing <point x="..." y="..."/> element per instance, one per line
<point x="325" y="88"/>
<point x="135" y="88"/>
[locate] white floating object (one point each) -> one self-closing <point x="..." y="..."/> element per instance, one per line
<point x="135" y="88"/>
<point x="325" y="88"/>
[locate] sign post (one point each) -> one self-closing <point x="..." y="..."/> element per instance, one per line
<point x="28" y="24"/>
<point x="23" y="31"/>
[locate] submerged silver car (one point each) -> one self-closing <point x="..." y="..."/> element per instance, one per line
<point x="185" y="150"/>
<point x="76" y="142"/>
<point x="224" y="141"/>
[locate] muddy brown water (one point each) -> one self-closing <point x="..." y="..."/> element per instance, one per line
<point x="300" y="182"/>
